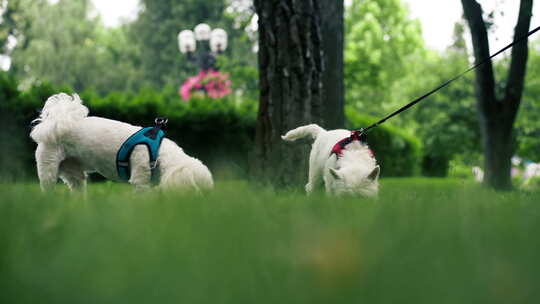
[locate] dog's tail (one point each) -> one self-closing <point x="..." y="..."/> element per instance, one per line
<point x="312" y="130"/>
<point x="59" y="115"/>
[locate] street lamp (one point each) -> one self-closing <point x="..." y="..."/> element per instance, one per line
<point x="186" y="42"/>
<point x="202" y="32"/>
<point x="212" y="42"/>
<point x="218" y="41"/>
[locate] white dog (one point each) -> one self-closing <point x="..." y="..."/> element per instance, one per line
<point x="478" y="174"/>
<point x="349" y="169"/>
<point x="70" y="144"/>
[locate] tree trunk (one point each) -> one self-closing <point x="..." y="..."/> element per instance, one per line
<point x="497" y="116"/>
<point x="332" y="29"/>
<point x="498" y="143"/>
<point x="290" y="67"/>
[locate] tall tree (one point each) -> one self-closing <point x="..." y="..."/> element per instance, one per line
<point x="381" y="42"/>
<point x="497" y="115"/>
<point x="15" y="19"/>
<point x="58" y="45"/>
<point x="447" y="123"/>
<point x="332" y="30"/>
<point x="528" y="129"/>
<point x="290" y="67"/>
<point x="63" y="45"/>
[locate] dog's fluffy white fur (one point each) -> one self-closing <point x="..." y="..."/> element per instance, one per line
<point x="354" y="172"/>
<point x="70" y="144"/>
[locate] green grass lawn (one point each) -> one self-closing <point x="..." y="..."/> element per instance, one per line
<point x="422" y="241"/>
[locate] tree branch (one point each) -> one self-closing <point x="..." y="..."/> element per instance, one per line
<point x="485" y="79"/>
<point x="520" y="53"/>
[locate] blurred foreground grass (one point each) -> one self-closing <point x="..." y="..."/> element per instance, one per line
<point x="422" y="241"/>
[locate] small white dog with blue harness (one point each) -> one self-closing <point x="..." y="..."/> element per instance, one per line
<point x="72" y="144"/>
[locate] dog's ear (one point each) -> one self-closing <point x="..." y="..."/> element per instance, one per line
<point x="374" y="175"/>
<point x="335" y="173"/>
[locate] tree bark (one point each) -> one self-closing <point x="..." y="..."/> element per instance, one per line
<point x="497" y="115"/>
<point x="290" y="67"/>
<point x="332" y="29"/>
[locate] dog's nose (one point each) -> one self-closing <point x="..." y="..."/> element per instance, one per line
<point x="35" y="122"/>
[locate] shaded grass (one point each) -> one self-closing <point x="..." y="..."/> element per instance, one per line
<point x="422" y="241"/>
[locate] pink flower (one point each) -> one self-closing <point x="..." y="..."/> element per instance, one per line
<point x="187" y="87"/>
<point x="514" y="172"/>
<point x="214" y="83"/>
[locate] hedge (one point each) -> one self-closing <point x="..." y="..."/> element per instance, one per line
<point x="219" y="132"/>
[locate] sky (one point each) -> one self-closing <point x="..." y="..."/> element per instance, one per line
<point x="439" y="16"/>
<point x="115" y="12"/>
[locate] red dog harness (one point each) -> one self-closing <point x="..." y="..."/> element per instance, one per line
<point x="355" y="135"/>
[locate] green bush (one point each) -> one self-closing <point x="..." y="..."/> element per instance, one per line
<point x="397" y="153"/>
<point x="532" y="184"/>
<point x="17" y="109"/>
<point x="13" y="166"/>
<point x="458" y="169"/>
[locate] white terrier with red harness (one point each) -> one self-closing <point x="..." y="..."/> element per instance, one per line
<point x="339" y="158"/>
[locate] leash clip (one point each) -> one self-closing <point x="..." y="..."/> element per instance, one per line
<point x="161" y="124"/>
<point x="161" y="121"/>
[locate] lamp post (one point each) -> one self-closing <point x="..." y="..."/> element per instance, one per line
<point x="212" y="42"/>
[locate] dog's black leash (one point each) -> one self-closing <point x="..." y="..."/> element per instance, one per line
<point x="417" y="100"/>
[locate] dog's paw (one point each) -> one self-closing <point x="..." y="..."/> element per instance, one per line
<point x="309" y="188"/>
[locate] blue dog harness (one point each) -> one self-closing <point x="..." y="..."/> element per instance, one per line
<point x="151" y="137"/>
